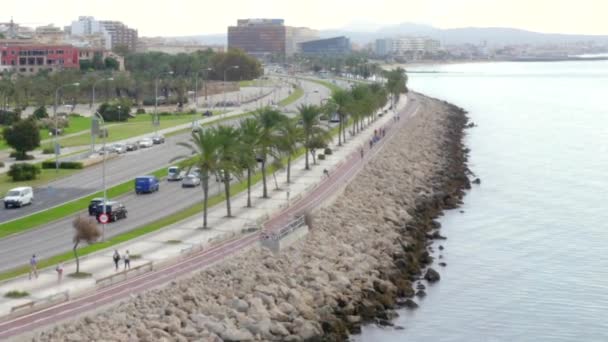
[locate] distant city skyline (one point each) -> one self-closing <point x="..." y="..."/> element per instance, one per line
<point x="192" y="17"/>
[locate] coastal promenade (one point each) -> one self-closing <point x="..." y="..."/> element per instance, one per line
<point x="183" y="247"/>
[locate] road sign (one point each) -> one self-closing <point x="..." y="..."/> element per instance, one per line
<point x="103" y="218"/>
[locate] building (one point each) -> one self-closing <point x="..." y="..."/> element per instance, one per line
<point x="258" y="37"/>
<point x="329" y="46"/>
<point x="88" y="54"/>
<point x="114" y="33"/>
<point x="173" y="47"/>
<point x="32" y="58"/>
<point x="49" y="34"/>
<point x="383" y="47"/>
<point x="406" y="46"/>
<point x="297" y="35"/>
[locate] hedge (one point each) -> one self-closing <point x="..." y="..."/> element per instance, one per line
<point x="49" y="164"/>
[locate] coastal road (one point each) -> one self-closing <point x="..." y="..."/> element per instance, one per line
<point x="124" y="168"/>
<point x="61" y="312"/>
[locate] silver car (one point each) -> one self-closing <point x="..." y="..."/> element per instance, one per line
<point x="191" y="181"/>
<point x="119" y="148"/>
<point x="145" y="142"/>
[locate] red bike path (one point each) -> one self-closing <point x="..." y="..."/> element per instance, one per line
<point x="341" y="175"/>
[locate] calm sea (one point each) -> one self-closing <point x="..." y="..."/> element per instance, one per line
<point x="528" y="259"/>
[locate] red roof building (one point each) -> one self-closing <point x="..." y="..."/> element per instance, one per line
<point x="31" y="58"/>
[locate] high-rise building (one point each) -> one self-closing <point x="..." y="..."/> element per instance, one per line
<point x="329" y="46"/>
<point x="297" y="35"/>
<point x="401" y="46"/>
<point x="258" y="37"/>
<point x="383" y="47"/>
<point x="115" y="33"/>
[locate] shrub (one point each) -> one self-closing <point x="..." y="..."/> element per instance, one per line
<point x="111" y="112"/>
<point x="328" y="151"/>
<point x="321" y="157"/>
<point x="49" y="123"/>
<point x="48" y="150"/>
<point x="8" y="118"/>
<point x="50" y="164"/>
<point x="17" y="156"/>
<point x="1" y="164"/>
<point x="40" y="113"/>
<point x="140" y="111"/>
<point x="16" y="294"/>
<point x="23" y="172"/>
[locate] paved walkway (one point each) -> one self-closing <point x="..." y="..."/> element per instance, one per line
<point x="184" y="247"/>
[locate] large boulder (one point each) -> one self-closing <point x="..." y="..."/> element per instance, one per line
<point x="431" y="275"/>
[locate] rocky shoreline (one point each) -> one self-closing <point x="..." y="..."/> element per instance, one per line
<point x="362" y="260"/>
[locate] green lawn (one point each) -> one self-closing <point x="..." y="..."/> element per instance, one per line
<point x="326" y="84"/>
<point x="77" y="124"/>
<point x="46" y="176"/>
<point x="295" y="95"/>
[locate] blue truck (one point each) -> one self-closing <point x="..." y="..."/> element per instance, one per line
<point x="146" y="184"/>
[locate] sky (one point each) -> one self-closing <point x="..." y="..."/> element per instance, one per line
<point x="199" y="17"/>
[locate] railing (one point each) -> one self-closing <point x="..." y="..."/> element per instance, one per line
<point x="109" y="280"/>
<point x="285" y="230"/>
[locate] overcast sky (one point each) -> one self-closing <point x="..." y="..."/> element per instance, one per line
<point x="194" y="17"/>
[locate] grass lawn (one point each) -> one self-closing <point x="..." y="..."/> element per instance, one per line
<point x="326" y="84"/>
<point x="46" y="176"/>
<point x="77" y="124"/>
<point x="295" y="95"/>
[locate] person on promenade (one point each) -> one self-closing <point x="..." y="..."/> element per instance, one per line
<point x="361" y="152"/>
<point x="371" y="143"/>
<point x="59" y="270"/>
<point x="127" y="260"/>
<point x="33" y="266"/>
<point x="326" y="173"/>
<point x="383" y="132"/>
<point x="116" y="258"/>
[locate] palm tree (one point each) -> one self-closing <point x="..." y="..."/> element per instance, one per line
<point x="341" y="98"/>
<point x="205" y="145"/>
<point x="250" y="136"/>
<point x="311" y="125"/>
<point x="289" y="137"/>
<point x="227" y="157"/>
<point x="269" y="120"/>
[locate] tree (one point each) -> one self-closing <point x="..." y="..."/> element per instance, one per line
<point x="396" y="82"/>
<point x="289" y="137"/>
<point x="85" y="230"/>
<point x="269" y="120"/>
<point x="40" y="113"/>
<point x="311" y="126"/>
<point x="205" y="145"/>
<point x="250" y="130"/>
<point x="227" y="158"/>
<point x="23" y="136"/>
<point x="116" y="110"/>
<point x="111" y="64"/>
<point x="341" y="98"/>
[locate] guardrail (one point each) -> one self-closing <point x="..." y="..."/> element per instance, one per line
<point x="35" y="305"/>
<point x="285" y="230"/>
<point x="123" y="275"/>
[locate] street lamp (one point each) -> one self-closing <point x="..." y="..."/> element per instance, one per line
<point x="55" y="144"/>
<point x="98" y="116"/>
<point x="205" y="73"/>
<point x="224" y="87"/>
<point x="156" y="120"/>
<point x="109" y="79"/>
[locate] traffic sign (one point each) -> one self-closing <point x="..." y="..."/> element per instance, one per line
<point x="103" y="218"/>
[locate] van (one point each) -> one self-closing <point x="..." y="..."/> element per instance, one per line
<point x="19" y="197"/>
<point x="174" y="173"/>
<point x="146" y="184"/>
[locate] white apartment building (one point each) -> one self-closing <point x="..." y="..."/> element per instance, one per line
<point x="400" y="46"/>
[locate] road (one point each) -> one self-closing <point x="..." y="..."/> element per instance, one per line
<point x="197" y="261"/>
<point x="55" y="237"/>
<point x="124" y="168"/>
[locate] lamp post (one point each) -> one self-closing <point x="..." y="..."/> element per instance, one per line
<point x="109" y="79"/>
<point x="224" y="87"/>
<point x="156" y="122"/>
<point x="205" y="74"/>
<point x="55" y="144"/>
<point x="98" y="116"/>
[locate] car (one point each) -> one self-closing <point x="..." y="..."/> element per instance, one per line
<point x="119" y="148"/>
<point x="220" y="177"/>
<point x="174" y="173"/>
<point x="114" y="210"/>
<point x="146" y="184"/>
<point x="132" y="146"/>
<point x="191" y="181"/>
<point x="158" y="139"/>
<point x="146" y="142"/>
<point x="93" y="205"/>
<point x="19" y="197"/>
<point x="207" y="113"/>
<point x="196" y="128"/>
<point x="105" y="150"/>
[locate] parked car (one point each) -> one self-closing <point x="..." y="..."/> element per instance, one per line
<point x="207" y="113"/>
<point x="132" y="146"/>
<point x="119" y="148"/>
<point x="93" y="205"/>
<point x="146" y="184"/>
<point x="158" y="139"/>
<point x="105" y="150"/>
<point x="191" y="181"/>
<point x="146" y="142"/>
<point x="19" y="197"/>
<point x="220" y="177"/>
<point x="114" y="210"/>
<point x="174" y="173"/>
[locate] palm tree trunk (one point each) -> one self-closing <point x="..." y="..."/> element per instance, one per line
<point x="306" y="151"/>
<point x="340" y="132"/>
<point x="249" y="187"/>
<point x="265" y="192"/>
<point x="76" y="257"/>
<point x="227" y="190"/>
<point x="205" y="196"/>
<point x="288" y="169"/>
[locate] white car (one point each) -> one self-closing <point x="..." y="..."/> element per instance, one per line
<point x="145" y="142"/>
<point x="19" y="197"/>
<point x="119" y="148"/>
<point x="191" y="181"/>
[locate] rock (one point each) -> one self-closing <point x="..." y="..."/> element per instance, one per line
<point x="307" y="331"/>
<point x="239" y="305"/>
<point x="384" y="323"/>
<point x="420" y="286"/>
<point x="443" y="264"/>
<point x="398" y="327"/>
<point x="74" y="337"/>
<point x="476" y="181"/>
<point x="261" y="327"/>
<point x="421" y="294"/>
<point x="440" y="247"/>
<point x="352" y="319"/>
<point x="233" y="334"/>
<point x="410" y="304"/>
<point x="276" y="328"/>
<point x="431" y="275"/>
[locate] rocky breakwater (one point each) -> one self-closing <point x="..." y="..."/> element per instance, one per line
<point x="360" y="261"/>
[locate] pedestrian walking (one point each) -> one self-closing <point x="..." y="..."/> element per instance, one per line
<point x="127" y="260"/>
<point x="116" y="258"/>
<point x="33" y="266"/>
<point x="361" y="152"/>
<point x="383" y="132"/>
<point x="59" y="270"/>
<point x="326" y="173"/>
<point x="371" y="143"/>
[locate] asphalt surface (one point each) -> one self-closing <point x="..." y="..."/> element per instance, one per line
<point x="124" y="168"/>
<point x="55" y="237"/>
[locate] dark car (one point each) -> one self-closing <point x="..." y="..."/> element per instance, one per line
<point x="114" y="210"/>
<point x="132" y="146"/>
<point x="207" y="113"/>
<point x="158" y="139"/>
<point x="93" y="205"/>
